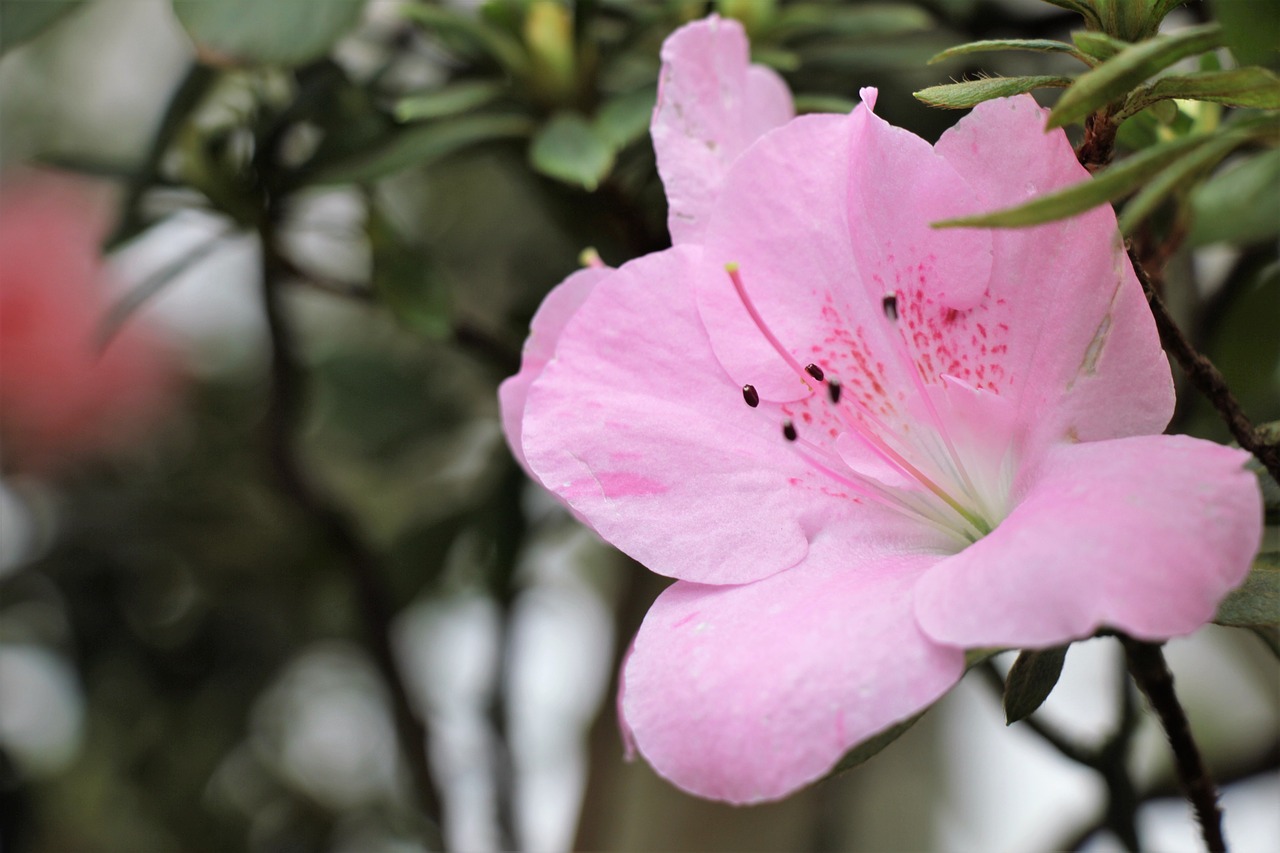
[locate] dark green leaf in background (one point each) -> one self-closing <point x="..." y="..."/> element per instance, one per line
<point x="1095" y="89"/>
<point x="1179" y="175"/>
<point x="570" y="149"/>
<point x="1242" y="203"/>
<point x="283" y="32"/>
<point x="21" y="20"/>
<point x="1098" y="45"/>
<point x="450" y="100"/>
<point x="1256" y="88"/>
<point x="1257" y="602"/>
<point x="625" y="118"/>
<point x="958" y="96"/>
<point x="1030" y="681"/>
<point x="1251" y="29"/>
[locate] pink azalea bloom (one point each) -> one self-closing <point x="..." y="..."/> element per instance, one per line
<point x="60" y="397"/>
<point x="949" y="438"/>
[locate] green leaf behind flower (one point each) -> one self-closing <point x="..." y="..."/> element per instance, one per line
<point x="958" y="96"/>
<point x="1030" y="681"/>
<point x="283" y="32"/>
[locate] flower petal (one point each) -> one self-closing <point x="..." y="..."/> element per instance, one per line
<point x="636" y="427"/>
<point x="1081" y="344"/>
<point x="746" y="693"/>
<point x="1143" y="534"/>
<point x="711" y="105"/>
<point x="544" y="333"/>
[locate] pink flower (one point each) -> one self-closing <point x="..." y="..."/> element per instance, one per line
<point x="60" y="398"/>
<point x="949" y="438"/>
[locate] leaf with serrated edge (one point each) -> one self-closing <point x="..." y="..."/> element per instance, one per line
<point x="1030" y="681"/>
<point x="1035" y="45"/>
<point x="1095" y="89"/>
<point x="958" y="96"/>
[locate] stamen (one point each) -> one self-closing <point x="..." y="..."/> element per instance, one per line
<point x="736" y="278"/>
<point x="890" y="305"/>
<point x="750" y="394"/>
<point x="789" y="430"/>
<point x="833" y="390"/>
<point x="814" y="371"/>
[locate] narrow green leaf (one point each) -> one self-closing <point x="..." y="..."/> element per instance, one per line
<point x="1036" y="45"/>
<point x="870" y="748"/>
<point x="1178" y="175"/>
<point x="23" y="20"/>
<point x="1030" y="681"/>
<point x="452" y="99"/>
<point x="625" y="118"/>
<point x="1097" y="44"/>
<point x="568" y="148"/>
<point x="1253" y="87"/>
<point x="506" y="50"/>
<point x="1095" y="89"/>
<point x="1111" y="183"/>
<point x="1240" y="204"/>
<point x="958" y="96"/>
<point x="1256" y="603"/>
<point x="420" y="145"/>
<point x="282" y="32"/>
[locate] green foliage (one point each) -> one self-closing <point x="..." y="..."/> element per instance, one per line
<point x="1251" y="29"/>
<point x="993" y="45"/>
<point x="1240" y="204"/>
<point x="1255" y="88"/>
<point x="571" y="149"/>
<point x="873" y="746"/>
<point x="955" y="96"/>
<point x="1030" y="681"/>
<point x="1099" y="87"/>
<point x="284" y="32"/>
<point x="449" y="100"/>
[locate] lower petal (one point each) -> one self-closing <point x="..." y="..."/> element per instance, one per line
<point x="1145" y="535"/>
<point x="747" y="693"/>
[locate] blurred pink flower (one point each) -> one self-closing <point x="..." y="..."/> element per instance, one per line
<point x="949" y="438"/>
<point x="60" y="398"/>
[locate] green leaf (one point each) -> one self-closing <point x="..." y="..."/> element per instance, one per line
<point x="625" y="118"/>
<point x="1252" y="87"/>
<point x="22" y="20"/>
<point x="1036" y="45"/>
<point x="1098" y="45"/>
<point x="1030" y="681"/>
<point x="1178" y="175"/>
<point x="568" y="148"/>
<point x="1097" y="88"/>
<point x="870" y="748"/>
<point x="405" y="280"/>
<point x="1256" y="603"/>
<point x="1108" y="184"/>
<point x="1240" y="204"/>
<point x="501" y="46"/>
<point x="419" y="145"/>
<point x="958" y="96"/>
<point x="863" y="21"/>
<point x="1252" y="30"/>
<point x="452" y="99"/>
<point x="276" y="32"/>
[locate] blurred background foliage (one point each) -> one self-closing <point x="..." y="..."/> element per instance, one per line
<point x="188" y="650"/>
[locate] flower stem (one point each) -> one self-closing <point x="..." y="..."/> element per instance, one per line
<point x="1151" y="674"/>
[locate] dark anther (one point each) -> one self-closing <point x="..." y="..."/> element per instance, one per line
<point x="814" y="371"/>
<point x="788" y="430"/>
<point x="833" y="390"/>
<point x="891" y="306"/>
<point x="749" y="394"/>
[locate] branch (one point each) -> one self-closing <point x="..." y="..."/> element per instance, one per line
<point x="1151" y="674"/>
<point x="285" y="409"/>
<point x="1205" y="376"/>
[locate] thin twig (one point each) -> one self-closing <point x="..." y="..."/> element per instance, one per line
<point x="363" y="565"/>
<point x="1151" y="674"/>
<point x="1205" y="376"/>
